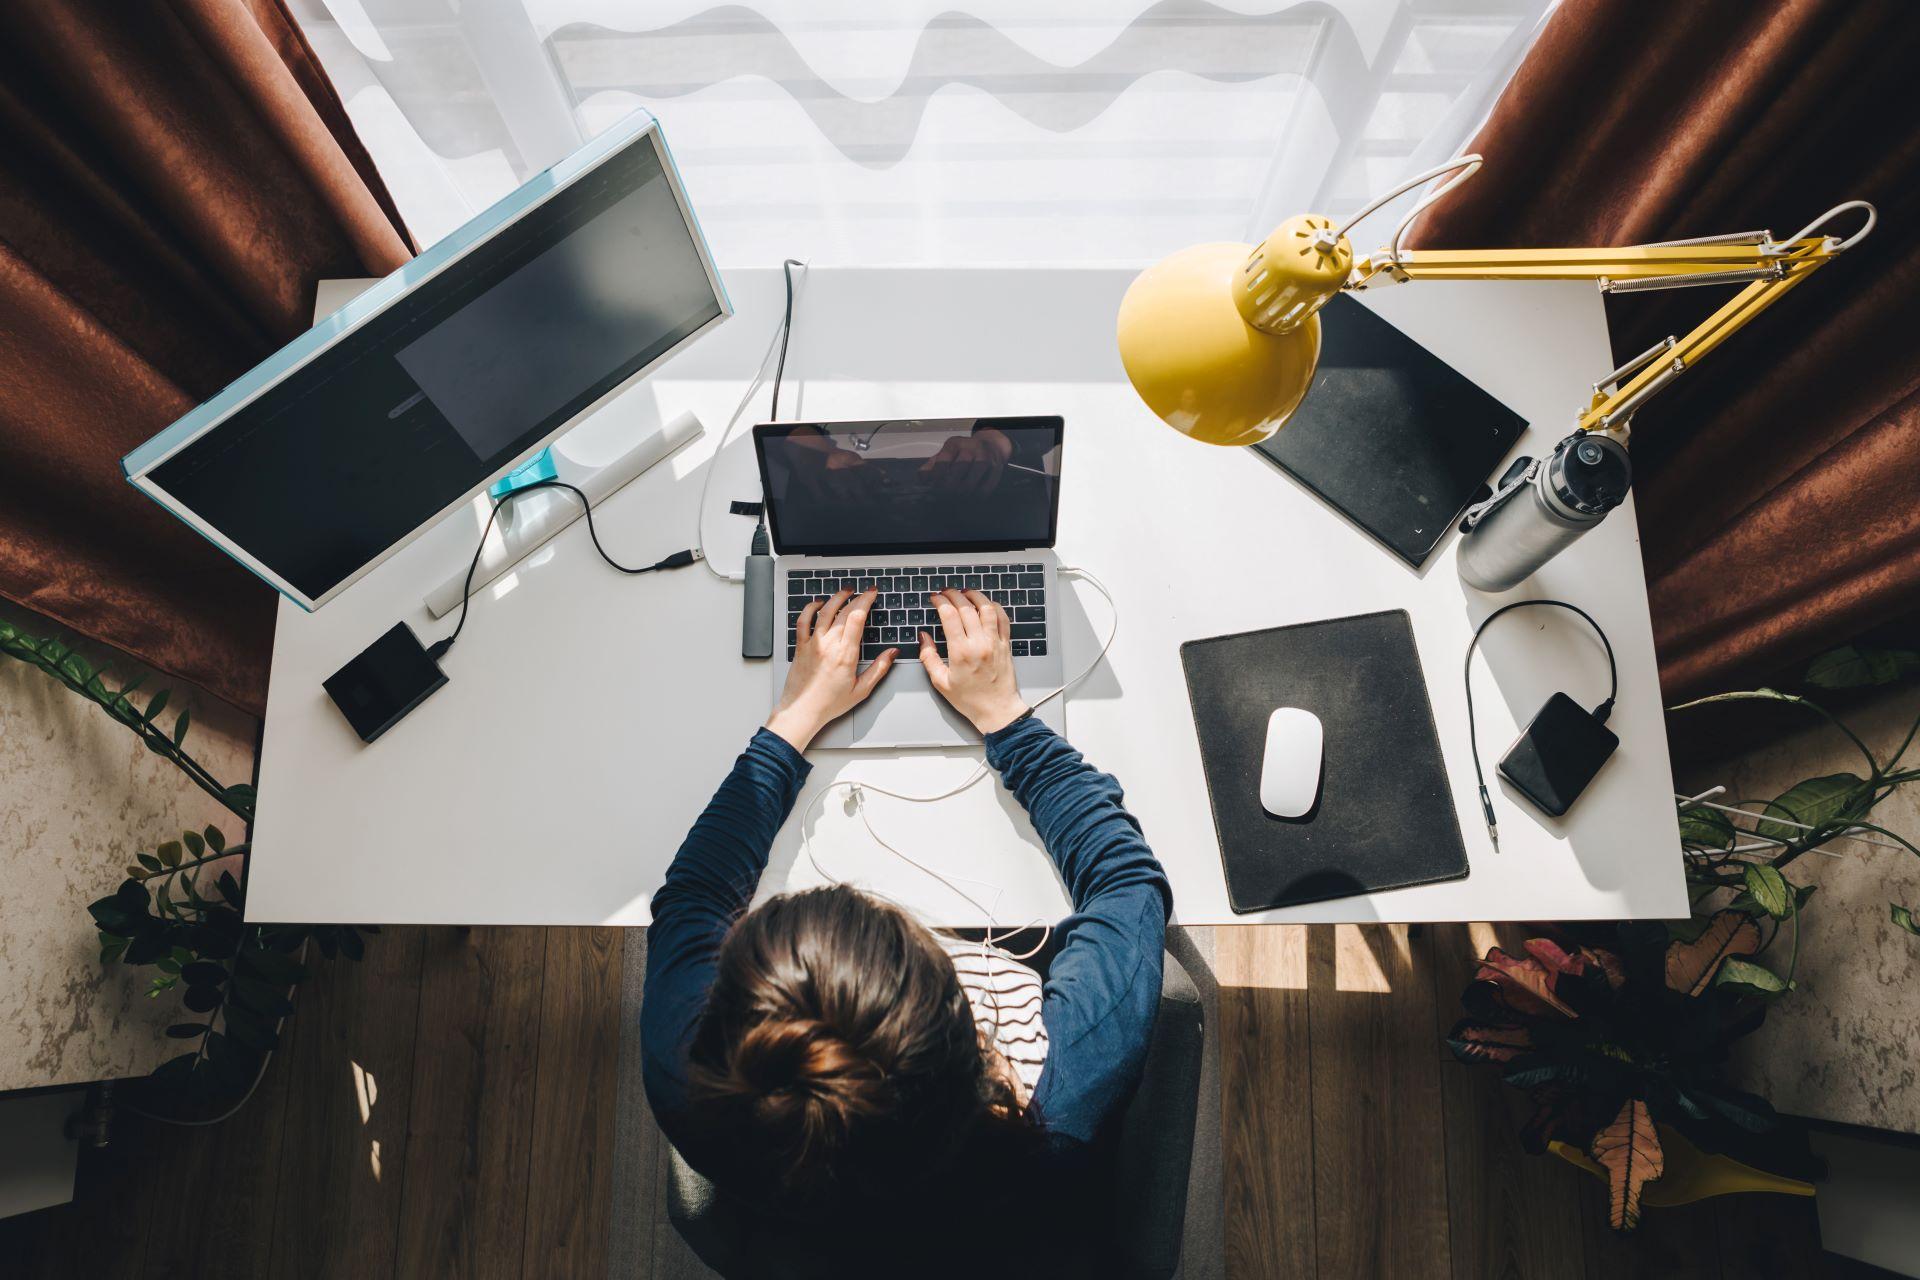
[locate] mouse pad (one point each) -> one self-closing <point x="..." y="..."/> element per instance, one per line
<point x="1397" y="439"/>
<point x="1384" y="818"/>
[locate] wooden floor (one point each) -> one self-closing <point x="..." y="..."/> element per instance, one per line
<point x="448" y="1108"/>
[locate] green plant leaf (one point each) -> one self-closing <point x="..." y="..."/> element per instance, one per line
<point x="195" y="845"/>
<point x="229" y="889"/>
<point x="1769" y="890"/>
<point x="1744" y="901"/>
<point x="1849" y="667"/>
<point x="1816" y="802"/>
<point x="180" y="727"/>
<point x="145" y="947"/>
<point x="157" y="704"/>
<point x="187" y="1030"/>
<point x="1743" y="977"/>
<point x="205" y="973"/>
<point x="272" y="966"/>
<point x="215" y="840"/>
<point x="170" y="853"/>
<point x="150" y="862"/>
<point x="202" y="999"/>
<point x="1904" y="918"/>
<point x="264" y="999"/>
<point x="1706" y="827"/>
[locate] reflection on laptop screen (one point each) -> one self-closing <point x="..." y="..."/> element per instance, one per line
<point x="888" y="487"/>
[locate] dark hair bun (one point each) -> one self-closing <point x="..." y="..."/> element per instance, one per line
<point x="799" y="1064"/>
<point x="837" y="1055"/>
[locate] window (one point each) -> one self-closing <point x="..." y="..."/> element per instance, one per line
<point x="910" y="131"/>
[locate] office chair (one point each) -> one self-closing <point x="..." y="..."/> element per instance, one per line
<point x="1150" y="1162"/>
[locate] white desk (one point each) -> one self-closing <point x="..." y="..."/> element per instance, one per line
<point x="589" y="716"/>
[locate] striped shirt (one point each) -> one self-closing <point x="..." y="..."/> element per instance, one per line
<point x="1005" y="995"/>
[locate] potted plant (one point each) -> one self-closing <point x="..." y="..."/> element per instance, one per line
<point x="182" y="910"/>
<point x="1619" y="1033"/>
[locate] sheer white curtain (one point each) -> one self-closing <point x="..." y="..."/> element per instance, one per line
<point x="931" y="131"/>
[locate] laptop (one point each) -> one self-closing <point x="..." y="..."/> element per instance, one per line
<point x="907" y="507"/>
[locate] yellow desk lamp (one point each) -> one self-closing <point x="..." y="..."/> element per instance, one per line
<point x="1221" y="340"/>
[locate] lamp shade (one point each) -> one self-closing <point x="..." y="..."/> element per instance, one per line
<point x="1221" y="339"/>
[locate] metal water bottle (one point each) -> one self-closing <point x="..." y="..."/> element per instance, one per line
<point x="1539" y="507"/>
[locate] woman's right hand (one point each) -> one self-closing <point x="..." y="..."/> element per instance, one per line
<point x="977" y="674"/>
<point x="825" y="681"/>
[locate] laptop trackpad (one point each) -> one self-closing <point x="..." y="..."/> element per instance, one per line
<point x="905" y="712"/>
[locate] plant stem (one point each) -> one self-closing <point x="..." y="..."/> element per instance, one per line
<point x="1774" y="695"/>
<point x="231" y="851"/>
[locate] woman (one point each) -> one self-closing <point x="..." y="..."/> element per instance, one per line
<point x="827" y="1057"/>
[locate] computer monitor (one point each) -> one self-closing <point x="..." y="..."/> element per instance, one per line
<point x="459" y="367"/>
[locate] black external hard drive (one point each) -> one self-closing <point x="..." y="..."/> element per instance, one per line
<point x="1557" y="756"/>
<point x="391" y="677"/>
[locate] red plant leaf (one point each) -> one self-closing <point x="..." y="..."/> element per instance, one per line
<point x="1479" y="1042"/>
<point x="1555" y="957"/>
<point x="1526" y="983"/>
<point x="1691" y="965"/>
<point x="1630" y="1152"/>
<point x="1610" y="965"/>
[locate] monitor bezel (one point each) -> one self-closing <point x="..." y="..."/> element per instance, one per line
<point x="632" y="130"/>
<point x="762" y="431"/>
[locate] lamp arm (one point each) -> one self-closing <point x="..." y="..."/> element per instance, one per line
<point x="1769" y="269"/>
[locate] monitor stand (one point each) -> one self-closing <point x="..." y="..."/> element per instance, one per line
<point x="606" y="449"/>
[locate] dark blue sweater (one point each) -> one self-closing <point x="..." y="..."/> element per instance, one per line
<point x="1101" y="991"/>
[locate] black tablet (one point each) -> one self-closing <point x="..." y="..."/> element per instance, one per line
<point x="1396" y="439"/>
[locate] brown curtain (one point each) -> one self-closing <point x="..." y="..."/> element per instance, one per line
<point x="175" y="176"/>
<point x="1779" y="482"/>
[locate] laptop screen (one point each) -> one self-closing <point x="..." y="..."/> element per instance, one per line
<point x="910" y="485"/>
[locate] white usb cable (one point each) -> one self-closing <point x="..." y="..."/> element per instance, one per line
<point x="857" y="790"/>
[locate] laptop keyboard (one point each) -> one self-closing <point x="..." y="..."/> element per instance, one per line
<point x="900" y="608"/>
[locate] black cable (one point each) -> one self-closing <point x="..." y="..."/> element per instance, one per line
<point x="678" y="560"/>
<point x="786" y="333"/>
<point x="1600" y="713"/>
<point x="762" y="545"/>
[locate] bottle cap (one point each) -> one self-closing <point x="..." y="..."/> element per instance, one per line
<point x="1590" y="473"/>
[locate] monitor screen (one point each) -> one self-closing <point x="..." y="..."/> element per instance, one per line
<point x="438" y="392"/>
<point x="910" y="485"/>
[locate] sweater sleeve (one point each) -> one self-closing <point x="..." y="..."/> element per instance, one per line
<point x="1103" y="987"/>
<point x="709" y="885"/>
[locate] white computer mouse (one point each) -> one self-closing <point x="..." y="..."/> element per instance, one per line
<point x="1290" y="773"/>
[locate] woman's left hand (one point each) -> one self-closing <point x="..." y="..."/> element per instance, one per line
<point x="825" y="681"/>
